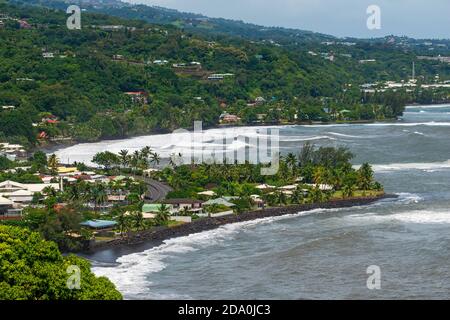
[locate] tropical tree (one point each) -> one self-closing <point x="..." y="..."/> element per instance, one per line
<point x="53" y="164"/>
<point x="348" y="191"/>
<point x="163" y="215"/>
<point x="44" y="273"/>
<point x="124" y="158"/>
<point x="365" y="176"/>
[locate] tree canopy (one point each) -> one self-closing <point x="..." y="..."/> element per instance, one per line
<point x="34" y="269"/>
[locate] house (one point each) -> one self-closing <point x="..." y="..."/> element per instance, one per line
<point x="99" y="225"/>
<point x="21" y="193"/>
<point x="367" y="61"/>
<point x="160" y="62"/>
<point x="182" y="204"/>
<point x="12" y="151"/>
<point x="48" y="55"/>
<point x="150" y="210"/>
<point x="24" y="24"/>
<point x="260" y="100"/>
<point x="50" y="119"/>
<point x="229" y="118"/>
<point x="6" y="208"/>
<point x="219" y="76"/>
<point x="208" y="193"/>
<point x="260" y="203"/>
<point x="8" y="107"/>
<point x="265" y="187"/>
<point x="138" y="96"/>
<point x="220" y="202"/>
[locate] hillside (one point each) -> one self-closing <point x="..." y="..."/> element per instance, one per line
<point x="112" y="82"/>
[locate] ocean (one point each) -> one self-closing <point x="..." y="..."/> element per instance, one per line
<point x="321" y="254"/>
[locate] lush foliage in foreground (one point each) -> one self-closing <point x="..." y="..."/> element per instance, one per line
<point x="33" y="269"/>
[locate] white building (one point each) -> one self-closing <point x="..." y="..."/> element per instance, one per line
<point x="23" y="193"/>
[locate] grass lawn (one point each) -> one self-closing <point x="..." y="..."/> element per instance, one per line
<point x="359" y="194"/>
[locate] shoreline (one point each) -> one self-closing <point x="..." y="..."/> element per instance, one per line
<point x="148" y="239"/>
<point x="54" y="147"/>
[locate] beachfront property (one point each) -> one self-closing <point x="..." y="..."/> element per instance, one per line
<point x="192" y="205"/>
<point x="150" y="211"/>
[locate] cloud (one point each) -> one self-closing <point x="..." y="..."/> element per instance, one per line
<point x="417" y="18"/>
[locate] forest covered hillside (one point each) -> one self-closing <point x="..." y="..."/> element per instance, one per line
<point x="121" y="77"/>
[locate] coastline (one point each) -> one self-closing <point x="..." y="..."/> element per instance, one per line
<point x="52" y="147"/>
<point x="144" y="240"/>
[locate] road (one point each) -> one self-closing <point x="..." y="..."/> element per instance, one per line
<point x="156" y="190"/>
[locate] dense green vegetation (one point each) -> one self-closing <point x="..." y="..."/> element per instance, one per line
<point x="84" y="88"/>
<point x="309" y="169"/>
<point x="33" y="269"/>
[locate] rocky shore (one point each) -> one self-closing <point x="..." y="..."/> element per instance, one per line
<point x="157" y="235"/>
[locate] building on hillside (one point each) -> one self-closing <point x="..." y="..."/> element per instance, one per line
<point x="138" y="96"/>
<point x="48" y="55"/>
<point x="24" y="24"/>
<point x="21" y="193"/>
<point x="8" y="210"/>
<point x="12" y="151"/>
<point x="229" y="118"/>
<point x="219" y="76"/>
<point x="160" y="62"/>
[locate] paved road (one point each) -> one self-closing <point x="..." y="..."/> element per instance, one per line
<point x="156" y="190"/>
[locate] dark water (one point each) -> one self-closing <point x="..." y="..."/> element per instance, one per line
<point x="323" y="254"/>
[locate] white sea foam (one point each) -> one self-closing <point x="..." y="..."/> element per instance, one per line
<point x="437" y="106"/>
<point x="415" y="216"/>
<point x="306" y="138"/>
<point x="426" y="167"/>
<point x="130" y="272"/>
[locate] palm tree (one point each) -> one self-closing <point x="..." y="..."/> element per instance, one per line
<point x="99" y="195"/>
<point x="291" y="161"/>
<point x="319" y="175"/>
<point x="122" y="223"/>
<point x="211" y="209"/>
<point x="138" y="219"/>
<point x="146" y="151"/>
<point x="297" y="196"/>
<point x="53" y="163"/>
<point x="185" y="212"/>
<point x="163" y="215"/>
<point x="155" y="158"/>
<point x="316" y="195"/>
<point x="347" y="191"/>
<point x="124" y="158"/>
<point x="49" y="192"/>
<point x="365" y="176"/>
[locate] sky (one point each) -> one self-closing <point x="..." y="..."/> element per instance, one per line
<point x="342" y="18"/>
